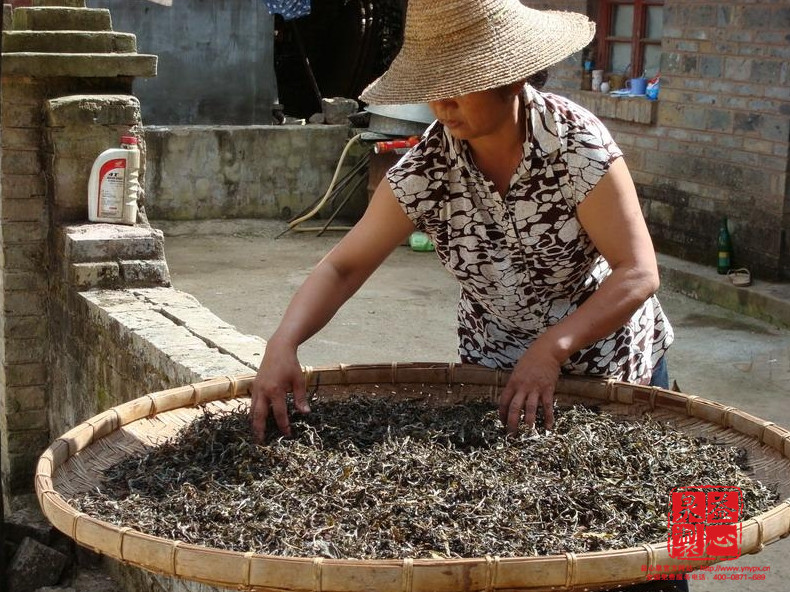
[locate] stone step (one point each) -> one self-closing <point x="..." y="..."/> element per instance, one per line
<point x="69" y="42"/>
<point x="95" y="242"/>
<point x="72" y="3"/>
<point x="113" y="256"/>
<point x="79" y="65"/>
<point x="119" y="275"/>
<point x="51" y="18"/>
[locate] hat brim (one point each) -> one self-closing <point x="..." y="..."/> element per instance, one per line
<point x="473" y="62"/>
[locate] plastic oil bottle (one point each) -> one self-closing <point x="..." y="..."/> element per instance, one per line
<point x="114" y="184"/>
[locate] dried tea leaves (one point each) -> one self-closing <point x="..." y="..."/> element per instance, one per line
<point x="372" y="478"/>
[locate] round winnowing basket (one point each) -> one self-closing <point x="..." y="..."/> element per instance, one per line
<point x="75" y="461"/>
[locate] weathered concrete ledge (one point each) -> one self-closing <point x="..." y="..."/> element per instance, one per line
<point x="111" y="256"/>
<point x="767" y="301"/>
<point x="118" y="345"/>
<point x="632" y="109"/>
<point x="103" y="242"/>
<point x="62" y="18"/>
<point x="174" y="327"/>
<point x="79" y="65"/>
<point x="69" y="42"/>
<point x="81" y="110"/>
<point x="59" y="3"/>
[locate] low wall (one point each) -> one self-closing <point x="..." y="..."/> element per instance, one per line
<point x="268" y="171"/>
<point x="119" y="330"/>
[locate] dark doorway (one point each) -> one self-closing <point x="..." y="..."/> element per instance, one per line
<point x="336" y="51"/>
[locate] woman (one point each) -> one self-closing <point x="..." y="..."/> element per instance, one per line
<point x="528" y="201"/>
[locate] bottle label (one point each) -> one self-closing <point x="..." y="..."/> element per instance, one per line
<point x="724" y="259"/>
<point x="111" y="188"/>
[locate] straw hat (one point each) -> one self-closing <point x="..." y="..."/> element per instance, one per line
<point x="454" y="47"/>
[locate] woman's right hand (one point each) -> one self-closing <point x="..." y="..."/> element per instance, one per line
<point x="279" y="374"/>
<point x="333" y="281"/>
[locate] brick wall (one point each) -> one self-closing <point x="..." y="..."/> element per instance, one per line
<point x="716" y="142"/>
<point x="720" y="145"/>
<point x="24" y="331"/>
<point x="45" y="56"/>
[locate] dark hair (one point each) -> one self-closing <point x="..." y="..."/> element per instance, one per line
<point x="538" y="79"/>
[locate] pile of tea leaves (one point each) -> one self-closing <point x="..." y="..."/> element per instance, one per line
<point x="375" y="478"/>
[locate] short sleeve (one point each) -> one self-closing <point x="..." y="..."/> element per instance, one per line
<point x="418" y="180"/>
<point x="590" y="151"/>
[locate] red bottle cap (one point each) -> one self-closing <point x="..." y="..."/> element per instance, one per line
<point x="128" y="140"/>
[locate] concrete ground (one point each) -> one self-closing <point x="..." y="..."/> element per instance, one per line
<point x="406" y="312"/>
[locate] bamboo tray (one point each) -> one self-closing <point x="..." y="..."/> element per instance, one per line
<point x="76" y="460"/>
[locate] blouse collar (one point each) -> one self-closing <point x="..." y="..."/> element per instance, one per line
<point x="542" y="137"/>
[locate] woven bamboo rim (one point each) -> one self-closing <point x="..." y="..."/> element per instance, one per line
<point x="78" y="456"/>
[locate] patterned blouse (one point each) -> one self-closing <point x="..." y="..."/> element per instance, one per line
<point x="523" y="260"/>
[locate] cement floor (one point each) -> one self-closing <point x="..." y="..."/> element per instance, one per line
<point x="406" y="312"/>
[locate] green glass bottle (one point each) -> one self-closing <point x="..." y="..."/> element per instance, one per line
<point x="724" y="248"/>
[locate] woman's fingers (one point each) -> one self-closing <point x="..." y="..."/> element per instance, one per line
<point x="259" y="414"/>
<point x="262" y="404"/>
<point x="271" y="398"/>
<point x="300" y="395"/>
<point x="280" y="412"/>
<point x="548" y="411"/>
<point x="515" y="403"/>
<point x="530" y="411"/>
<point x="531" y="386"/>
<point x="506" y="397"/>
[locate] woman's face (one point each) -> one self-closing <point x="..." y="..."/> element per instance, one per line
<point x="477" y="114"/>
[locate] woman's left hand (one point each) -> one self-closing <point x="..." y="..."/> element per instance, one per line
<point x="531" y="384"/>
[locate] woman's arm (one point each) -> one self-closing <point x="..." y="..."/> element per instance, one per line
<point x="611" y="216"/>
<point x="333" y="281"/>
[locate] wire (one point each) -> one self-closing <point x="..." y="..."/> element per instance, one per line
<point x="328" y="193"/>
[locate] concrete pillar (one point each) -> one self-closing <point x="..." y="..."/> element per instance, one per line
<point x="78" y="128"/>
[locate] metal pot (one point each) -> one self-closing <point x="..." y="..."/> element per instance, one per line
<point x="409" y="119"/>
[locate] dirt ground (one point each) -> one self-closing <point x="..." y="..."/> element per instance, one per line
<point x="406" y="312"/>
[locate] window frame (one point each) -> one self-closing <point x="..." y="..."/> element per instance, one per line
<point x="638" y="39"/>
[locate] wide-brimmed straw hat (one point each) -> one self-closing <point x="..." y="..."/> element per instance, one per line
<point x="454" y="47"/>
